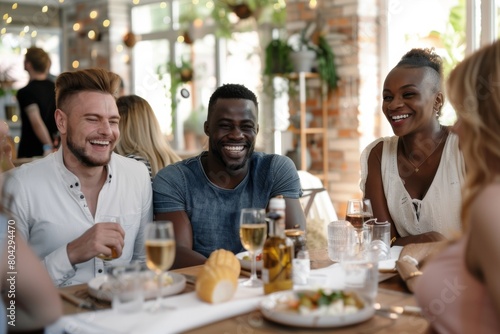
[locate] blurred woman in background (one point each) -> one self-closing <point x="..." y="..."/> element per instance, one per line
<point x="140" y="135"/>
<point x="459" y="291"/>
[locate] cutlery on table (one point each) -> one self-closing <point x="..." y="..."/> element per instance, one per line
<point x="190" y="279"/>
<point x="399" y="310"/>
<point x="77" y="301"/>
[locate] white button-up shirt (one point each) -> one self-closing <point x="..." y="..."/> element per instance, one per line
<point x="50" y="211"/>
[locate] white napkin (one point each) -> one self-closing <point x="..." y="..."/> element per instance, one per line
<point x="332" y="277"/>
<point x="390" y="264"/>
<point x="190" y="312"/>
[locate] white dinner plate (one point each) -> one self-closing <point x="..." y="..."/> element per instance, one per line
<point x="292" y="318"/>
<point x="95" y="286"/>
<point x="246" y="264"/>
<point x="390" y="264"/>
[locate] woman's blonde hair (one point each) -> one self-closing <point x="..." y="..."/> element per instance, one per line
<point x="474" y="91"/>
<point x="140" y="133"/>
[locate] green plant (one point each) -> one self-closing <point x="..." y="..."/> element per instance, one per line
<point x="309" y="38"/>
<point x="326" y="63"/>
<point x="276" y="62"/>
<point x="277" y="57"/>
<point x="178" y="75"/>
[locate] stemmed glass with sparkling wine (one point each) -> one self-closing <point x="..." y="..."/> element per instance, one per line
<point x="359" y="211"/>
<point x="253" y="232"/>
<point x="160" y="252"/>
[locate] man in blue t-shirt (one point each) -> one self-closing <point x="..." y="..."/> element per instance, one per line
<point x="203" y="195"/>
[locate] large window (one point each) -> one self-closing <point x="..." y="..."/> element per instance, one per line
<point x="163" y="41"/>
<point x="444" y="29"/>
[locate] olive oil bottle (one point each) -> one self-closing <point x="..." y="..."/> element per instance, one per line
<point x="277" y="255"/>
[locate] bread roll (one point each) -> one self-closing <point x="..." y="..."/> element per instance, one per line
<point x="216" y="284"/>
<point x="222" y="257"/>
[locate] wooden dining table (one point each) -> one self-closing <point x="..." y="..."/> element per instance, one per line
<point x="392" y="292"/>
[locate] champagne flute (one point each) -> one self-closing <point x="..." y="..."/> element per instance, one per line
<point x="160" y="252"/>
<point x="359" y="211"/>
<point x="253" y="232"/>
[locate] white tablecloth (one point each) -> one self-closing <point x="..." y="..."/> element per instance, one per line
<point x="187" y="311"/>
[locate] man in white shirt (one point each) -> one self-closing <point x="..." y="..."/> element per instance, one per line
<point x="58" y="201"/>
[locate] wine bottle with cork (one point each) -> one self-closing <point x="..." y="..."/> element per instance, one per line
<point x="278" y="252"/>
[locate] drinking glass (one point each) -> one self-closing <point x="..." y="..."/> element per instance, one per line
<point x="114" y="254"/>
<point x="253" y="232"/>
<point x="361" y="274"/>
<point x="359" y="211"/>
<point x="160" y="252"/>
<point x="128" y="295"/>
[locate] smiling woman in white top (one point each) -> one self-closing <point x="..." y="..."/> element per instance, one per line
<point x="414" y="179"/>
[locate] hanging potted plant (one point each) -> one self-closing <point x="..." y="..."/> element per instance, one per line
<point x="303" y="55"/>
<point x="326" y="63"/>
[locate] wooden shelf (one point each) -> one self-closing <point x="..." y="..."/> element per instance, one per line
<point x="307" y="131"/>
<point x="303" y="130"/>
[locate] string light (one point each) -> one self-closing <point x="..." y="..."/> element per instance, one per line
<point x="106" y="23"/>
<point x="45" y="9"/>
<point x="76" y="26"/>
<point x="14" y="5"/>
<point x="119" y="48"/>
<point x="75" y="64"/>
<point x="91" y="34"/>
<point x="93" y="14"/>
<point x="313" y="4"/>
<point x="9" y="20"/>
<point x="34" y="33"/>
<point x="163" y="5"/>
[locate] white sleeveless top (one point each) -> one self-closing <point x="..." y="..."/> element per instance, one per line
<point x="439" y="210"/>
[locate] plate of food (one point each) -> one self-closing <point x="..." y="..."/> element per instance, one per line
<point x="316" y="308"/>
<point x="246" y="261"/>
<point x="101" y="287"/>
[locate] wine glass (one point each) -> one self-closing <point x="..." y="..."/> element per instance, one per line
<point x="359" y="211"/>
<point x="253" y="232"/>
<point x="160" y="252"/>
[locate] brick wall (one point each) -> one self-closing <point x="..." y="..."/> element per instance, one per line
<point x="351" y="29"/>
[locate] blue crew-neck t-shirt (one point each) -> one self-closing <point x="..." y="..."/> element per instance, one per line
<point x="213" y="211"/>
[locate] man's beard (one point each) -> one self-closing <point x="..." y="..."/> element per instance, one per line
<point x="233" y="166"/>
<point x="85" y="159"/>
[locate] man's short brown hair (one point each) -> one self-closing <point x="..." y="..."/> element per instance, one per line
<point x="39" y="59"/>
<point x="92" y="79"/>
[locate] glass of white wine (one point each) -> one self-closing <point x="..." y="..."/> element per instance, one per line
<point x="253" y="232"/>
<point x="160" y="252"/>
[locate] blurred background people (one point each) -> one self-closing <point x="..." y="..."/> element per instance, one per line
<point x="459" y="291"/>
<point x="36" y="301"/>
<point x="140" y="135"/>
<point x="414" y="178"/>
<point x="37" y="102"/>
